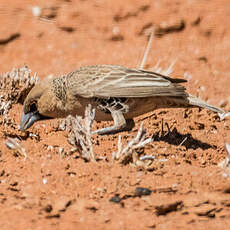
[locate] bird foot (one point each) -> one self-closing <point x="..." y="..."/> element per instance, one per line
<point x="116" y="129"/>
<point x="108" y="131"/>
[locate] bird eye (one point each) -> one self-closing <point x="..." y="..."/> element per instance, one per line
<point x="33" y="108"/>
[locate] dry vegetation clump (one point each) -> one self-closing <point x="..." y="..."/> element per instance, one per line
<point x="80" y="134"/>
<point x="128" y="154"/>
<point x="14" y="87"/>
<point x="4" y="110"/>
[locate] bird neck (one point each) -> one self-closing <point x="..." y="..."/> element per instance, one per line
<point x="59" y="88"/>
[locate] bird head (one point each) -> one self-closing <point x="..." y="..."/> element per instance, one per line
<point x="34" y="104"/>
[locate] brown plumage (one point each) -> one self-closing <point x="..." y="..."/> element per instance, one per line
<point x="118" y="93"/>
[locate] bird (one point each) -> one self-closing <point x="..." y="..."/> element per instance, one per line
<point x="116" y="92"/>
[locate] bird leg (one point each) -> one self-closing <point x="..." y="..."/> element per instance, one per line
<point x="119" y="124"/>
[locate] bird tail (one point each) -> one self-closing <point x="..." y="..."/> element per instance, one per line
<point x="192" y="100"/>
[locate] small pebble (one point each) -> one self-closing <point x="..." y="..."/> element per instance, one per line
<point x="142" y="191"/>
<point x="48" y="208"/>
<point x="50" y="148"/>
<point x="115" y="199"/>
<point x="36" y="10"/>
<point x="44" y="180"/>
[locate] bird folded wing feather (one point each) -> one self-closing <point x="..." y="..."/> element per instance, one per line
<point x="125" y="82"/>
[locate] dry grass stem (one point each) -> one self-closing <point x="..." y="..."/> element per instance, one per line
<point x="80" y="134"/>
<point x="185" y="139"/>
<point x="147" y="49"/>
<point x="128" y="153"/>
<point x="14" y="144"/>
<point x="157" y="67"/>
<point x="162" y="71"/>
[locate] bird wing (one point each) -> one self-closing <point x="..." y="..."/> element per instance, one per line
<point x="117" y="81"/>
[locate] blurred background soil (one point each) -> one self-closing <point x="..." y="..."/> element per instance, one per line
<point x="185" y="187"/>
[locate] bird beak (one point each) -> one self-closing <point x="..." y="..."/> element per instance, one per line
<point x="28" y="119"/>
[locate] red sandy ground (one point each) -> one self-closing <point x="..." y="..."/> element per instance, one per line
<point x="53" y="191"/>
